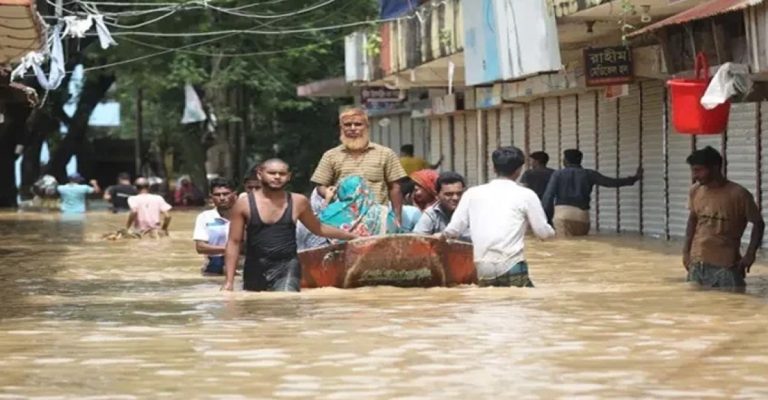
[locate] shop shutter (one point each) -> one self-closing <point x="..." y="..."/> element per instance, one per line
<point x="446" y="143"/>
<point x="406" y="134"/>
<point x="519" y="129"/>
<point x="491" y="142"/>
<point x="607" y="148"/>
<point x="568" y="129"/>
<point x="763" y="112"/>
<point x="395" y="133"/>
<point x="460" y="144"/>
<point x="678" y="148"/>
<point x="741" y="149"/>
<point x="435" y="141"/>
<point x="552" y="129"/>
<point x="472" y="148"/>
<point x="587" y="128"/>
<point x="654" y="161"/>
<point x="535" y="126"/>
<point x="505" y="127"/>
<point x="629" y="159"/>
<point x="419" y="138"/>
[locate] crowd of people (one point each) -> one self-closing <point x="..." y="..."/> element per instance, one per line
<point x="365" y="189"/>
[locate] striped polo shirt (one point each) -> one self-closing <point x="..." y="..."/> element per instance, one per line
<point x="378" y="165"/>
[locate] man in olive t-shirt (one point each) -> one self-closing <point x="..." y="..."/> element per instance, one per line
<point x="719" y="213"/>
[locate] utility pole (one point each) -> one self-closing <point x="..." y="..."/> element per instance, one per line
<point x="139" y="131"/>
<point x="59" y="8"/>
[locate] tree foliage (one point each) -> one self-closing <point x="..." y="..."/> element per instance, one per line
<point x="265" y="68"/>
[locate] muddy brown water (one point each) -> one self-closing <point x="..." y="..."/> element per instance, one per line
<point x="611" y="317"/>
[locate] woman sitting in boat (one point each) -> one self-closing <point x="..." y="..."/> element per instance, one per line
<point x="353" y="208"/>
<point x="425" y="191"/>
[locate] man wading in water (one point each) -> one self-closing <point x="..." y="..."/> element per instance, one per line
<point x="269" y="215"/>
<point x="719" y="212"/>
<point x="498" y="214"/>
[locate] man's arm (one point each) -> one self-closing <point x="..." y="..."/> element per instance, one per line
<point x="602" y="180"/>
<point x="131" y="220"/>
<point x="396" y="197"/>
<point x="460" y="219"/>
<point x="437" y="165"/>
<point x="166" y="220"/>
<point x="537" y="219"/>
<point x="690" y="232"/>
<point x="424" y="226"/>
<point x="756" y="239"/>
<point x="108" y="194"/>
<point x="95" y="185"/>
<point x="237" y="223"/>
<point x="209" y="250"/>
<point x="310" y="221"/>
<point x="548" y="200"/>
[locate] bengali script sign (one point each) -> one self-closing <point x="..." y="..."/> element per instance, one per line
<point x="608" y="66"/>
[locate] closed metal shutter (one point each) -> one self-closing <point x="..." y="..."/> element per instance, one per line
<point x="764" y="155"/>
<point x="406" y="134"/>
<point x="492" y="142"/>
<point x="607" y="148"/>
<point x="741" y="149"/>
<point x="535" y="126"/>
<point x="375" y="129"/>
<point x="446" y="143"/>
<point x="629" y="159"/>
<point x="654" y="161"/>
<point x="460" y="144"/>
<point x="505" y="127"/>
<point x="471" y="149"/>
<point x="519" y="130"/>
<point x="436" y="141"/>
<point x="714" y="141"/>
<point x="552" y="129"/>
<point x="568" y="129"/>
<point x="386" y="132"/>
<point x="396" y="133"/>
<point x="419" y="138"/>
<point x="678" y="148"/>
<point x="588" y="142"/>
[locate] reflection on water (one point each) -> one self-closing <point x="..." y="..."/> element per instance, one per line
<point x="82" y="317"/>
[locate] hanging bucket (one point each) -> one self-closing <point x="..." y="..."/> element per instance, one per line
<point x="688" y="116"/>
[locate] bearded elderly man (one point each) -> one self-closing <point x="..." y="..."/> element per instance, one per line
<point x="357" y="155"/>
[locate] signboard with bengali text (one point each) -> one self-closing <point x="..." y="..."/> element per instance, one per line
<point x="608" y="66"/>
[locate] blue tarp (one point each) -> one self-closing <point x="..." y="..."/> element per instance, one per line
<point x="396" y="8"/>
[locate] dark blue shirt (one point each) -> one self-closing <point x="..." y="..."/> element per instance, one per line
<point x="572" y="186"/>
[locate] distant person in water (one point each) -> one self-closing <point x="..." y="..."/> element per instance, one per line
<point x="149" y="212"/>
<point x="212" y="226"/>
<point x="537" y="177"/>
<point x="569" y="192"/>
<point x="498" y="215"/>
<point x="251" y="181"/>
<point x="187" y="194"/>
<point x="74" y="194"/>
<point x="719" y="213"/>
<point x="117" y="195"/>
<point x="269" y="216"/>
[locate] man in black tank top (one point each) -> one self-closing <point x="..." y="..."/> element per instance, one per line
<point x="269" y="216"/>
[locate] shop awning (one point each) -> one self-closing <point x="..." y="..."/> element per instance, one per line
<point x="704" y="10"/>
<point x="20" y="30"/>
<point x="334" y="87"/>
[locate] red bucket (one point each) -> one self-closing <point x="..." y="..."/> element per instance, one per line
<point x="688" y="116"/>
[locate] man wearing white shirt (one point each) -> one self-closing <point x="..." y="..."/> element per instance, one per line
<point x="212" y="226"/>
<point x="497" y="215"/>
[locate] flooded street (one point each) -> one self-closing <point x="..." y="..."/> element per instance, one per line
<point x="610" y="318"/>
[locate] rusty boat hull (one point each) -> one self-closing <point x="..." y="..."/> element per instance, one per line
<point x="394" y="260"/>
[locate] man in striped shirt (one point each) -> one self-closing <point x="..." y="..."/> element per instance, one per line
<point x="357" y="155"/>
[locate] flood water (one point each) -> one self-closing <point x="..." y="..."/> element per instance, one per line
<point x="610" y="318"/>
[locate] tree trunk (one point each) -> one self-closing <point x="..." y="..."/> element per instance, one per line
<point x="39" y="126"/>
<point x="7" y="167"/>
<point x="93" y="92"/>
